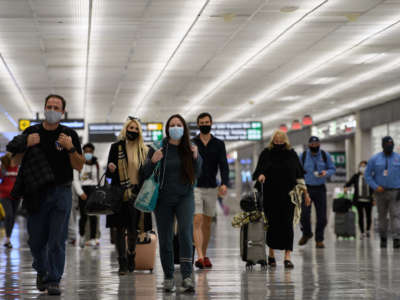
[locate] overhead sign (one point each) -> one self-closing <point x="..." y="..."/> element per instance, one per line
<point x="342" y="126"/>
<point x="232" y="131"/>
<point x="72" y="123"/>
<point x="108" y="132"/>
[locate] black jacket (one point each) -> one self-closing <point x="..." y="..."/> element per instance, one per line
<point x="129" y="216"/>
<point x="34" y="175"/>
<point x="354" y="182"/>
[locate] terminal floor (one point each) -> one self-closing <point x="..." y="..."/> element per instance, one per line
<point x="346" y="269"/>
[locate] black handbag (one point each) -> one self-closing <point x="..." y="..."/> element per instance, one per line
<point x="253" y="201"/>
<point x="341" y="205"/>
<point x="105" y="200"/>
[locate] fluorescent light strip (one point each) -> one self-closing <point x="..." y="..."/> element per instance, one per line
<point x="155" y="82"/>
<point x="8" y="116"/>
<point x="88" y="45"/>
<point x="308" y="71"/>
<point x="238" y="67"/>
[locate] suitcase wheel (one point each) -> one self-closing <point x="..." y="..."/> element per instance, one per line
<point x="151" y="271"/>
<point x="263" y="264"/>
<point x="249" y="265"/>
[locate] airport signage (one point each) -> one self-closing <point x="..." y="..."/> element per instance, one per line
<point x="342" y="126"/>
<point x="233" y="131"/>
<point x="72" y="123"/>
<point x="108" y="132"/>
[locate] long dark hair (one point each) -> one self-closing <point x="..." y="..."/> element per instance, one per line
<point x="184" y="150"/>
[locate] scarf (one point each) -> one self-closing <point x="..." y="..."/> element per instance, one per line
<point x="123" y="174"/>
<point x="249" y="217"/>
<point x="296" y="196"/>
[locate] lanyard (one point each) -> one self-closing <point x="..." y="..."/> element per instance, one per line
<point x="387" y="163"/>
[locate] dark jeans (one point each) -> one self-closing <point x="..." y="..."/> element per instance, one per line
<point x="10" y="207"/>
<point x="367" y="207"/>
<point x="120" y="241"/>
<point x="83" y="219"/>
<point x="183" y="208"/>
<point x="48" y="229"/>
<point x="318" y="197"/>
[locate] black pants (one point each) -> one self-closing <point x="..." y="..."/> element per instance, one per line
<point x="367" y="207"/>
<point x="121" y="240"/>
<point x="92" y="219"/>
<point x="318" y="197"/>
<point x="10" y="206"/>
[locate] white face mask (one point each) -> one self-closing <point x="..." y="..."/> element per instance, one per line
<point x="362" y="169"/>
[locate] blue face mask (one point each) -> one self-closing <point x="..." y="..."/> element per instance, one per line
<point x="176" y="133"/>
<point x="88" y="156"/>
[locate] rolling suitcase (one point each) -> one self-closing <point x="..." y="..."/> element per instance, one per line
<point x="345" y="224"/>
<point x="146" y="251"/>
<point x="252" y="238"/>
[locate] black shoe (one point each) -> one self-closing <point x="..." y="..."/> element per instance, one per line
<point x="8" y="245"/>
<point x="304" y="239"/>
<point x="396" y="243"/>
<point x="383" y="242"/>
<point x="123" y="266"/>
<point x="271" y="261"/>
<point x="288" y="264"/>
<point x="41" y="283"/>
<point x="54" y="289"/>
<point x="131" y="262"/>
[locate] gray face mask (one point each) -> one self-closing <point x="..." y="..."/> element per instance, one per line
<point x="53" y="116"/>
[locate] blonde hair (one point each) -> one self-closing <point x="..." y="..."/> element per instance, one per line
<point x="138" y="144"/>
<point x="281" y="134"/>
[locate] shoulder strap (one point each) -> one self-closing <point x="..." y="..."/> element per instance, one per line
<point x="324" y="157"/>
<point x="98" y="172"/>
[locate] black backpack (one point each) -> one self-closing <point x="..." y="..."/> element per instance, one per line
<point x="323" y="153"/>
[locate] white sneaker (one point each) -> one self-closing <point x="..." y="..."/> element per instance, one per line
<point x="96" y="244"/>
<point x="188" y="285"/>
<point x="169" y="285"/>
<point x="91" y="243"/>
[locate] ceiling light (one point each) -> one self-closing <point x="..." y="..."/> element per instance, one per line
<point x="289" y="98"/>
<point x="368" y="58"/>
<point x="323" y="80"/>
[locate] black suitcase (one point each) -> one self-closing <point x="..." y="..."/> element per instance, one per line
<point x="252" y="238"/>
<point x="345" y="224"/>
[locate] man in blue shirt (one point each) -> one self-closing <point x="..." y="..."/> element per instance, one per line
<point x="383" y="176"/>
<point x="319" y="167"/>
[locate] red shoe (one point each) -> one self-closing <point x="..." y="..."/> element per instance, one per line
<point x="207" y="262"/>
<point x="199" y="263"/>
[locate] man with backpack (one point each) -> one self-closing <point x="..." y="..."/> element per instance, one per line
<point x="319" y="167"/>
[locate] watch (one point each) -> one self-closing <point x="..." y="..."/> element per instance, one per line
<point x="72" y="150"/>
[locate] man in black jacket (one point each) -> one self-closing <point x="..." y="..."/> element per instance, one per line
<point x="213" y="152"/>
<point x="48" y="224"/>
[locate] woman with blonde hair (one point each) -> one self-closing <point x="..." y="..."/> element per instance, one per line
<point x="124" y="167"/>
<point x="281" y="174"/>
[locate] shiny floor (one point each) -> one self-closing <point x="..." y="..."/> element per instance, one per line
<point x="346" y="269"/>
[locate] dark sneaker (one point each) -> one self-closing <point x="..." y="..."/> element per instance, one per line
<point x="304" y="239"/>
<point x="123" y="266"/>
<point x="207" y="262"/>
<point x="199" y="263"/>
<point x="383" y="243"/>
<point x="288" y="264"/>
<point x="8" y="245"/>
<point x="396" y="243"/>
<point x="188" y="285"/>
<point x="131" y="262"/>
<point x="41" y="283"/>
<point x="53" y="289"/>
<point x="319" y="245"/>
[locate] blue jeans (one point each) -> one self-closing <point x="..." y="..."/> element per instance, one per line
<point x="318" y="197"/>
<point x="183" y="208"/>
<point x="48" y="230"/>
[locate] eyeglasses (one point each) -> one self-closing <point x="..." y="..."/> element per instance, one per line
<point x="134" y="118"/>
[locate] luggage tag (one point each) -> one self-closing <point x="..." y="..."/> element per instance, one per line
<point x="385" y="173"/>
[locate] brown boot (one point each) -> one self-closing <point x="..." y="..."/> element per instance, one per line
<point x="304" y="239"/>
<point x="319" y="245"/>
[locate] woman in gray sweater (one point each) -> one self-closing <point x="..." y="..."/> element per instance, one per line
<point x="180" y="167"/>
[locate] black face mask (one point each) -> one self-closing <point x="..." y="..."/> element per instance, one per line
<point x="132" y="135"/>
<point x="314" y="149"/>
<point x="205" y="129"/>
<point x="388" y="149"/>
<point x="279" y="146"/>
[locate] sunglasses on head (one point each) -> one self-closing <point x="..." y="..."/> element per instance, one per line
<point x="133" y="118"/>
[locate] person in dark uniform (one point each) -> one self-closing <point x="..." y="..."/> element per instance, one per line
<point x="279" y="170"/>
